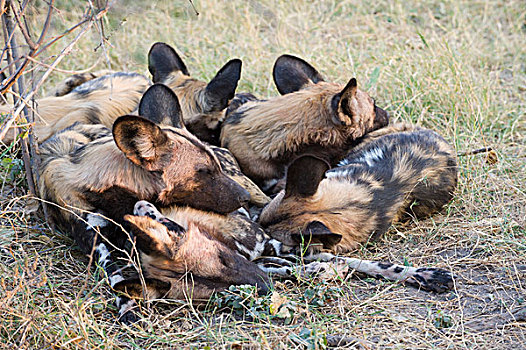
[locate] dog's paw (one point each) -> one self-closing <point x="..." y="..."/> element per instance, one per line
<point x="432" y="279"/>
<point x="325" y="269"/>
<point x="129" y="317"/>
<point x="128" y="310"/>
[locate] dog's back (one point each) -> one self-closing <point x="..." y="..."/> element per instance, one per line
<point x="395" y="175"/>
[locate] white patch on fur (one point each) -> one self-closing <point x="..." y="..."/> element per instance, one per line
<point x="244" y="212"/>
<point x="95" y="220"/>
<point x="104" y="254"/>
<point x="245" y="250"/>
<point x="142" y="208"/>
<point x="372" y="156"/>
<point x="258" y="250"/>
<point x="127" y="306"/>
<point x="343" y="162"/>
<point x="115" y="278"/>
<point x="279" y="271"/>
<point x="277" y="246"/>
<point x="254" y="253"/>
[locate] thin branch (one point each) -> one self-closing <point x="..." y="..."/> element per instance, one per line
<point x="193" y="6"/>
<point x="23" y="29"/>
<point x="9" y="121"/>
<point x="45" y="28"/>
<point x="32" y="52"/>
<point x="64" y="70"/>
<point x="9" y="27"/>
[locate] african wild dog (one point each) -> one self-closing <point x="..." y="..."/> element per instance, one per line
<point x="230" y="167"/>
<point x="228" y="163"/>
<point x="312" y="116"/>
<point x="98" y="101"/>
<point x="101" y="97"/>
<point x="188" y="258"/>
<point x="203" y="103"/>
<point x="96" y="173"/>
<point x="67" y="85"/>
<point x="181" y="252"/>
<point x="381" y="181"/>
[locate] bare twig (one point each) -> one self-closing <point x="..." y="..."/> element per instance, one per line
<point x="65" y="70"/>
<point x="32" y="52"/>
<point x="193" y="6"/>
<point x="89" y="23"/>
<point x="13" y="49"/>
<point x="23" y="28"/>
<point x="19" y="64"/>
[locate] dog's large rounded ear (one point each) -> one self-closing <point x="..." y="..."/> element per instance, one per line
<point x="342" y="103"/>
<point x="304" y="176"/>
<point x="381" y="118"/>
<point x="222" y="88"/>
<point x="160" y="105"/>
<point x="156" y="238"/>
<point x="315" y="233"/>
<point x="163" y="60"/>
<point x="291" y="74"/>
<point x="142" y="142"/>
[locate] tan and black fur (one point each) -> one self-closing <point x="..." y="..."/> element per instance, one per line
<point x="96" y="174"/>
<point x="313" y="116"/>
<point x="231" y="168"/>
<point x="227" y="161"/>
<point x="400" y="174"/>
<point x="203" y="104"/>
<point x="101" y="97"/>
<point x="187" y="253"/>
<point x="96" y="101"/>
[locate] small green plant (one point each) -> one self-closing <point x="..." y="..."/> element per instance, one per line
<point x="13" y="167"/>
<point x="442" y="320"/>
<point x="243" y="301"/>
<point x="310" y="339"/>
<point x="317" y="295"/>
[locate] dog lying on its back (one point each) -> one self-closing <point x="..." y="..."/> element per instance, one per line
<point x="393" y="175"/>
<point x="312" y="117"/>
<point x="186" y="261"/>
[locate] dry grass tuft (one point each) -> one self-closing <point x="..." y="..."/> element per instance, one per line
<point x="457" y="67"/>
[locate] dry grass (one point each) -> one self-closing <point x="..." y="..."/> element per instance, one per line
<point x="455" y="66"/>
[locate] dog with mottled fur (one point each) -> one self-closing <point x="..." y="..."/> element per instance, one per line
<point x="400" y="172"/>
<point x="185" y="253"/>
<point x="92" y="174"/>
<point x="102" y="97"/>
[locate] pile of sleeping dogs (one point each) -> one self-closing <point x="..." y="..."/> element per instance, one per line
<point x="120" y="154"/>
